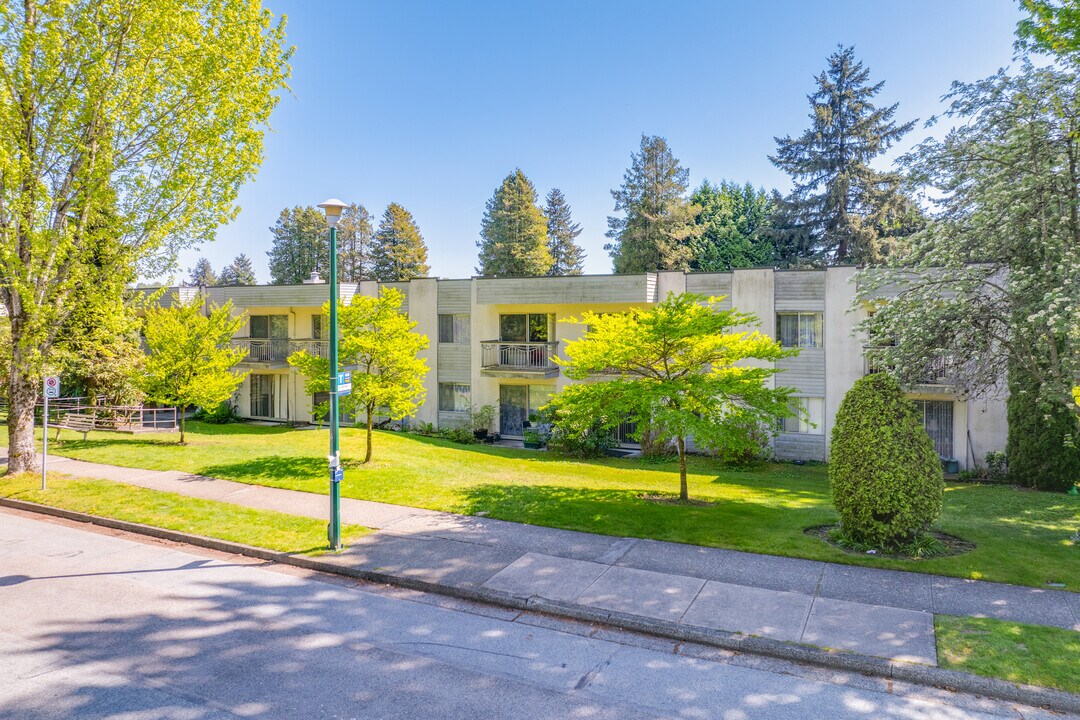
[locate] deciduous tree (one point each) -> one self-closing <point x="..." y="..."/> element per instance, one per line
<point x="513" y="234"/>
<point x="190" y="360"/>
<point x="840" y="207"/>
<point x="657" y="228"/>
<point x="567" y="256"/>
<point x="398" y="252"/>
<point x="378" y="342"/>
<point x="137" y="119"/>
<point x="676" y="368"/>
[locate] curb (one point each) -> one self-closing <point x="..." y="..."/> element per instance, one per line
<point x="931" y="676"/>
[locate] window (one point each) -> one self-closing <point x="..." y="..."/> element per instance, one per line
<point x="320" y="330"/>
<point x="269" y="326"/>
<point x="262" y="395"/>
<point x="454" y="397"/>
<point x="523" y="327"/>
<point x="803" y="330"/>
<point x="937" y="418"/>
<point x="809" y="418"/>
<point x="539" y="396"/>
<point x="454" y="328"/>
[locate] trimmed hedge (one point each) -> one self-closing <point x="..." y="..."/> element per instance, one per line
<point x="1037" y="452"/>
<point x="887" y="482"/>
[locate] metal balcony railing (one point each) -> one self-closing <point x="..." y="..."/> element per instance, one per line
<point x="938" y="371"/>
<point x="520" y="356"/>
<point x="318" y="348"/>
<point x="262" y="350"/>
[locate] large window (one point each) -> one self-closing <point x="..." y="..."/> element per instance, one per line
<point x="802" y="330"/>
<point x="262" y="395"/>
<point x="938" y="420"/>
<point x="454" y="397"/>
<point x="809" y="417"/>
<point x="269" y="326"/>
<point x="320" y="329"/>
<point x="534" y="327"/>
<point x="454" y="328"/>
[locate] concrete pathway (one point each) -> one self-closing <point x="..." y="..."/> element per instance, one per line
<point x="875" y="612"/>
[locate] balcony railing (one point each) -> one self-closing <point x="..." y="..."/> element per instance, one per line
<point x="518" y="356"/>
<point x="278" y="350"/>
<point x="938" y="371"/>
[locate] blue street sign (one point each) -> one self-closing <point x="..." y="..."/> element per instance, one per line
<point x="344" y="383"/>
<point x="339" y="474"/>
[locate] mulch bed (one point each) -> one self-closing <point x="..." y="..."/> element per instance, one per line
<point x="953" y="544"/>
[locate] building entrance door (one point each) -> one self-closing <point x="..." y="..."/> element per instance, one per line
<point x="513" y="407"/>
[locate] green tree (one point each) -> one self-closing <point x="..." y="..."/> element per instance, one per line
<point x="301" y="245"/>
<point x="238" y="272"/>
<point x="840" y="207"/>
<point x="513" y="234"/>
<point x="736" y="227"/>
<point x="190" y="358"/>
<point x="886" y="479"/>
<point x="674" y="367"/>
<point x="137" y="119"/>
<point x="1041" y="449"/>
<point x="1052" y="26"/>
<point x="354" y="237"/>
<point x="994" y="277"/>
<point x="398" y="251"/>
<point x="566" y="255"/>
<point x="657" y="229"/>
<point x="202" y="275"/>
<point x="378" y="342"/>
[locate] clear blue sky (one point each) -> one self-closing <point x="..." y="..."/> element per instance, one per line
<point x="431" y="104"/>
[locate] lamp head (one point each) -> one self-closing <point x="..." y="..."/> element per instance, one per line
<point x="332" y="208"/>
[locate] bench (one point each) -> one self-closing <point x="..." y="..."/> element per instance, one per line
<point x="78" y="422"/>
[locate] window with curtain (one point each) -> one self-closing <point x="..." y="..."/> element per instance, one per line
<point x="454" y="328"/>
<point x="809" y="418"/>
<point x="454" y="397"/>
<point x="802" y="330"/>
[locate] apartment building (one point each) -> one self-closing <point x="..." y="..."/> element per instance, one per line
<point x="493" y="340"/>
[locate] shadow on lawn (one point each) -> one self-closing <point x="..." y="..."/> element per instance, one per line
<point x="272" y="468"/>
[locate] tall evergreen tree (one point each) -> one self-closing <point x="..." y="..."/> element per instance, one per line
<point x="736" y="227"/>
<point x="398" y="251"/>
<point x="301" y="245"/>
<point x="842" y="209"/>
<point x="658" y="226"/>
<point x="567" y="256"/>
<point x="354" y="237"/>
<point x="513" y="234"/>
<point x="238" y="272"/>
<point x="202" y="275"/>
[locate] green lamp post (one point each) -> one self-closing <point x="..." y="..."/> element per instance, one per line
<point x="333" y="208"/>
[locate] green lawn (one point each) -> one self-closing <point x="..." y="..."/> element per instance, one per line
<point x="209" y="518"/>
<point x="1022" y="536"/>
<point x="1031" y="654"/>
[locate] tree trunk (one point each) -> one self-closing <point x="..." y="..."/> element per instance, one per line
<point x="684" y="492"/>
<point x="183" y="419"/>
<point x="370" y="419"/>
<point x="21" y="400"/>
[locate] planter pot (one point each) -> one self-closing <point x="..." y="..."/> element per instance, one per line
<point x="532" y="445"/>
<point x="480" y="434"/>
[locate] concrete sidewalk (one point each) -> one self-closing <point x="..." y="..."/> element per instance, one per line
<point x="873" y="612"/>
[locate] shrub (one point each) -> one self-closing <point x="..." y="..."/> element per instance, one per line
<point x="1039" y="449"/>
<point x="223" y="414"/>
<point x="887" y="482"/>
<point x="591" y="442"/>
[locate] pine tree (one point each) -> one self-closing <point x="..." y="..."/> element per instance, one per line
<point x="513" y="234"/>
<point x="301" y="245"/>
<point x="842" y="209"/>
<point x="736" y="227"/>
<point x="354" y="238"/>
<point x="398" y="251"/>
<point x="238" y="272"/>
<point x="202" y="275"/>
<point x="567" y="256"/>
<point x="658" y="227"/>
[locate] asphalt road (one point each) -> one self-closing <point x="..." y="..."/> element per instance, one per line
<point x="100" y="625"/>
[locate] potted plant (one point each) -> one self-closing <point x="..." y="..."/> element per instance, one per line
<point x="537" y="431"/>
<point x="482" y="419"/>
<point x="533" y="440"/>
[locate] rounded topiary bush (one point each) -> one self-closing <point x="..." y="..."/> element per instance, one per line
<point x="887" y="482"/>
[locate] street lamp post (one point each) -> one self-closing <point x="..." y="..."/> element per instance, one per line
<point x="333" y="208"/>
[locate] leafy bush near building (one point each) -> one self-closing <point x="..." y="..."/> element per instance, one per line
<point x="1041" y="449"/>
<point x="887" y="482"/>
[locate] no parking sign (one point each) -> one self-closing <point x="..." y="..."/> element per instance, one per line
<point x="52" y="386"/>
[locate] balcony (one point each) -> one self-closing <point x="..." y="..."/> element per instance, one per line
<point x="276" y="351"/>
<point x="518" y="359"/>
<point x="937" y="373"/>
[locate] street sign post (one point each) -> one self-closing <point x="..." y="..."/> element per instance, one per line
<point x="52" y="390"/>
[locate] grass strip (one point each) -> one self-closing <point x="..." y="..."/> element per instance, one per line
<point x="1021" y="653"/>
<point x="172" y="511"/>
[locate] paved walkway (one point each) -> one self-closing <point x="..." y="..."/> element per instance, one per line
<point x="875" y="612"/>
